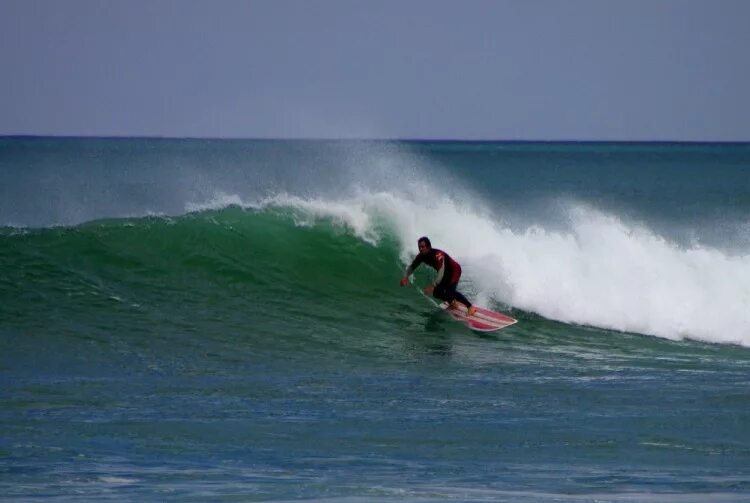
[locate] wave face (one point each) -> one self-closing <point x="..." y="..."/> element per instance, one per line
<point x="645" y="239"/>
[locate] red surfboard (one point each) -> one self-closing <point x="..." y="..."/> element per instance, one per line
<point x="483" y="320"/>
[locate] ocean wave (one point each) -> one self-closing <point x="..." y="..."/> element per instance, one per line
<point x="601" y="270"/>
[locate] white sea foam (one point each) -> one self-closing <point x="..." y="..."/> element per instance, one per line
<point x="600" y="270"/>
<point x="218" y="201"/>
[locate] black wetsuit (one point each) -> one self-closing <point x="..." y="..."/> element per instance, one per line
<point x="449" y="272"/>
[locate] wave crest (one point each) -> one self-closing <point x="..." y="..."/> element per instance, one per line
<point x="598" y="270"/>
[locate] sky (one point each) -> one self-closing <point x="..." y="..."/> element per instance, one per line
<point x="630" y="70"/>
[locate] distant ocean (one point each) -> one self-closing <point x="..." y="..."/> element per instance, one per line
<point x="221" y="320"/>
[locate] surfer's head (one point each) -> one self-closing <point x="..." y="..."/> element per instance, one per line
<point x="424" y="244"/>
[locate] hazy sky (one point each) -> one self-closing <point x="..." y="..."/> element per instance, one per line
<point x="470" y="69"/>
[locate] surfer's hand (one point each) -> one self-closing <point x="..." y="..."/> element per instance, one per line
<point x="404" y="281"/>
<point x="428" y="290"/>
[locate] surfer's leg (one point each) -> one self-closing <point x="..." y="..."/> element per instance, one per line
<point x="455" y="295"/>
<point x="459" y="297"/>
<point x="463" y="300"/>
<point x="440" y="293"/>
<point x="449" y="293"/>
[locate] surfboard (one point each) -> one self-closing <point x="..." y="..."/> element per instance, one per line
<point x="483" y="320"/>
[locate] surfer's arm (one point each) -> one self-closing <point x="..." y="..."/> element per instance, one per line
<point x="410" y="269"/>
<point x="440" y="274"/>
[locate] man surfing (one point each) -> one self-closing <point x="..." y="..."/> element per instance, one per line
<point x="448" y="274"/>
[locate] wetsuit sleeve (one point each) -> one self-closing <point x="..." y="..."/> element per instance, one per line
<point x="440" y="274"/>
<point x="440" y="261"/>
<point x="415" y="263"/>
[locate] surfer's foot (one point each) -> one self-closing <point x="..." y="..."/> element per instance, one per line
<point x="472" y="310"/>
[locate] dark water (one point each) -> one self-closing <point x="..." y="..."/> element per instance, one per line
<point x="221" y="320"/>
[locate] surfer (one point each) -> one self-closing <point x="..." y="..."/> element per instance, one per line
<point x="448" y="274"/>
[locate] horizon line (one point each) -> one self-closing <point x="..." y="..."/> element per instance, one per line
<point x="366" y="139"/>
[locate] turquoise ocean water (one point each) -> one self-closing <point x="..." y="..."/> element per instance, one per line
<point x="205" y="320"/>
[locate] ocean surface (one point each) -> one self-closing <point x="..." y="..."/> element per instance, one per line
<point x="208" y="320"/>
